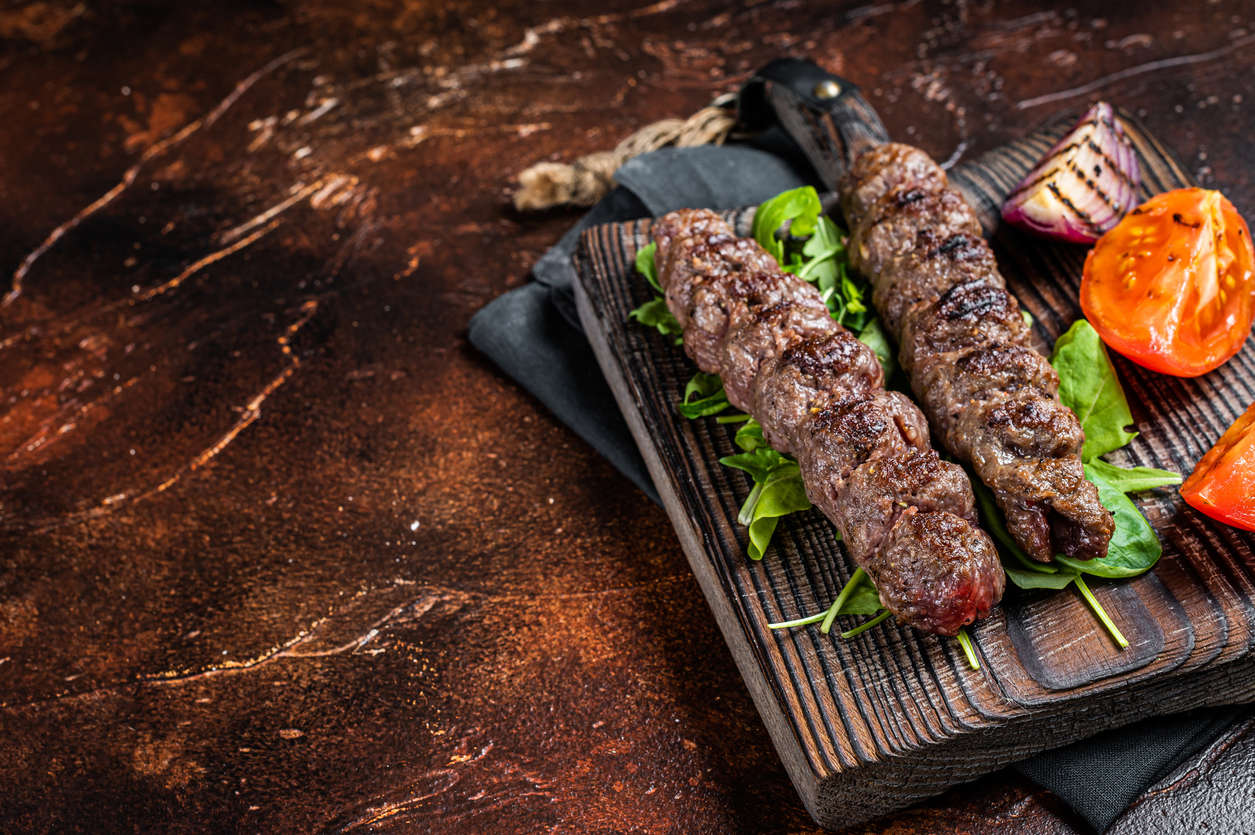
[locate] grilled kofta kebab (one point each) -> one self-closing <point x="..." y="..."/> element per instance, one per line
<point x="905" y="515"/>
<point x="991" y="397"/>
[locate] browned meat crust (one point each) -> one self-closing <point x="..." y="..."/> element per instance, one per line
<point x="906" y="516"/>
<point x="991" y="398"/>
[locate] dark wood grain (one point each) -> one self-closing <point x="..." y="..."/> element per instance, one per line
<point x="869" y="725"/>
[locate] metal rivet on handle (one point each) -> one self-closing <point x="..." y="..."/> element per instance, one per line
<point x="827" y="89"/>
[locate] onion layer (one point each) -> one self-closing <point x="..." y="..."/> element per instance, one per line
<point x="1085" y="184"/>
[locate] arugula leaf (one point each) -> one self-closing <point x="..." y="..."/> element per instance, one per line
<point x="863" y="600"/>
<point x="859" y="584"/>
<point x="645" y="264"/>
<point x="855" y="314"/>
<point x="1088" y="386"/>
<point x="867" y="624"/>
<point x="711" y="399"/>
<point x="654" y="313"/>
<point x="1134" y="547"/>
<point x="857" y="597"/>
<point x="800" y="205"/>
<point x="1133" y="479"/>
<point x="823" y="249"/>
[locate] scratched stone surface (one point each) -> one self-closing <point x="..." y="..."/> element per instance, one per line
<point x="280" y="551"/>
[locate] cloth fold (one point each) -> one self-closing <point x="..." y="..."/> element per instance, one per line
<point x="533" y="334"/>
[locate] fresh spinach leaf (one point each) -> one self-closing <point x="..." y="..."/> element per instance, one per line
<point x="759" y="463"/>
<point x="991" y="516"/>
<point x="1134" y="547"/>
<point x="1088" y="386"/>
<point x="703" y="396"/>
<point x="654" y="313"/>
<point x="779" y="493"/>
<point x="1133" y="479"/>
<point x="645" y="264"/>
<point x="750" y="436"/>
<point x="873" y="336"/>
<point x="1026" y="579"/>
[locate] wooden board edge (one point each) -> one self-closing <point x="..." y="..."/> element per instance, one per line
<point x="803" y="775"/>
<point x="848" y="796"/>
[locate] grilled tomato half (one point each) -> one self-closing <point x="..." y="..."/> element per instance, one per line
<point x="1172" y="286"/>
<point x="1223" y="483"/>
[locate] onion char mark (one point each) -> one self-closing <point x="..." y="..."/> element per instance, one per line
<point x="1063" y="155"/>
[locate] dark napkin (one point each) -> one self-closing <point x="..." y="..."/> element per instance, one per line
<point x="533" y="334"/>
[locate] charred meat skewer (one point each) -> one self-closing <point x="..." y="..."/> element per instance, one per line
<point x="906" y="516"/>
<point x="991" y="397"/>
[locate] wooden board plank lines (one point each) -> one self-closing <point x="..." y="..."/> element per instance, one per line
<point x="871" y="724"/>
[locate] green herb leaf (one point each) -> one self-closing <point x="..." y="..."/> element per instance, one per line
<point x="703" y="396"/>
<point x="1101" y="613"/>
<point x="750" y="436"/>
<point x="1028" y="579"/>
<point x="779" y="493"/>
<point x="866" y="625"/>
<point x="874" y="337"/>
<point x="857" y="593"/>
<point x="860" y="598"/>
<point x="1088" y="386"/>
<point x="825" y="252"/>
<point x="1133" y="479"/>
<point x="969" y="650"/>
<point x="654" y="313"/>
<point x="702" y="385"/>
<point x="863" y="600"/>
<point x="759" y="462"/>
<point x="991" y="516"/>
<point x="800" y="205"/>
<point x="645" y="264"/>
<point x="1134" y="547"/>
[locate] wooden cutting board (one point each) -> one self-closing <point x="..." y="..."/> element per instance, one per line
<point x="868" y="725"/>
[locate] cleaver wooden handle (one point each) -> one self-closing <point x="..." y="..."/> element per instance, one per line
<point x="823" y="113"/>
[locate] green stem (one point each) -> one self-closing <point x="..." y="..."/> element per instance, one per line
<point x="965" y="641"/>
<point x="863" y="627"/>
<point x="1100" y="612"/>
<point x="747" y="507"/>
<point x="844" y="595"/>
<point x="732" y="419"/>
<point x="806" y="621"/>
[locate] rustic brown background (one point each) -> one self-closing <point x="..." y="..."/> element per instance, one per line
<point x="279" y="551"/>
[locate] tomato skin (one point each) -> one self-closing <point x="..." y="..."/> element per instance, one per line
<point x="1223" y="483"/>
<point x="1172" y="286"/>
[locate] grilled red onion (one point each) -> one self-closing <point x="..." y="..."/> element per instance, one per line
<point x="1086" y="183"/>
